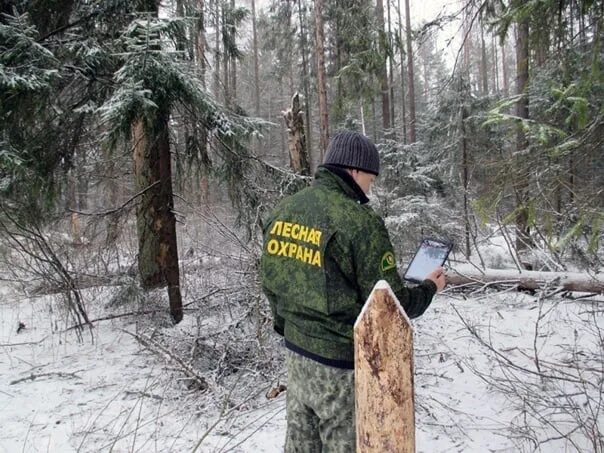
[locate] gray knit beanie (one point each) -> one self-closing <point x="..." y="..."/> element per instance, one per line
<point x="353" y="150"/>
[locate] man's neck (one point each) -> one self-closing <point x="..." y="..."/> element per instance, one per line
<point x="345" y="175"/>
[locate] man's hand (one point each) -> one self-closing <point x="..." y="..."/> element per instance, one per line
<point x="438" y="277"/>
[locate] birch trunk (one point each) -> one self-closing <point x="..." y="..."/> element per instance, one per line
<point x="528" y="280"/>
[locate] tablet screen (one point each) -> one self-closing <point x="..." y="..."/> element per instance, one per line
<point x="430" y="255"/>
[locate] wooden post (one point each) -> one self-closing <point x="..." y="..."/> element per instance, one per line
<point x="383" y="354"/>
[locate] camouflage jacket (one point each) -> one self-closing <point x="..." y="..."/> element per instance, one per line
<point x="323" y="252"/>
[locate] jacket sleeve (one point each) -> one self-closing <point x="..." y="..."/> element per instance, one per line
<point x="278" y="321"/>
<point x="374" y="261"/>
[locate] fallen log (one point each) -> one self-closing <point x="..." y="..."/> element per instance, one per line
<point x="527" y="280"/>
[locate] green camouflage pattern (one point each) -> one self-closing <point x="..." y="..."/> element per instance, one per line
<point x="323" y="253"/>
<point x="320" y="407"/>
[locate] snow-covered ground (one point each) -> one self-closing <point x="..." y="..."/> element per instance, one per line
<point x="109" y="393"/>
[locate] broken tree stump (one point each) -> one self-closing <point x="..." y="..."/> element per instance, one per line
<point x="296" y="137"/>
<point x="383" y="354"/>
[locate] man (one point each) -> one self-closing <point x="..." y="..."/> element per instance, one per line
<point x="324" y="250"/>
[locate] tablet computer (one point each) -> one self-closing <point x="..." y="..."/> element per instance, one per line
<point x="430" y="254"/>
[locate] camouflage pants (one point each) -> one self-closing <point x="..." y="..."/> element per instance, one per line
<point x="320" y="407"/>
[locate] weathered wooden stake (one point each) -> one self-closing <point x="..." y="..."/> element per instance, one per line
<point x="383" y="351"/>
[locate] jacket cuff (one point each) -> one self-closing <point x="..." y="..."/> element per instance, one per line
<point x="278" y="327"/>
<point x="430" y="287"/>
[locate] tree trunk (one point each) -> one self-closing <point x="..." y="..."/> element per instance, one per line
<point x="217" y="50"/>
<point x="82" y="180"/>
<point x="282" y="132"/>
<point x="321" y="80"/>
<point x="495" y="64"/>
<point x="383" y="373"/>
<point x="521" y="176"/>
<point x="233" y="59"/>
<point x="200" y="42"/>
<point x="467" y="38"/>
<point x="256" y="67"/>
<point x="363" y="120"/>
<point x="156" y="223"/>
<point x="168" y="242"/>
<point x="403" y="88"/>
<point x="226" y="59"/>
<point x="582" y="33"/>
<point x="572" y="171"/>
<point x="73" y="206"/>
<point x="383" y="72"/>
<point x="465" y="177"/>
<point x="374" y="120"/>
<point x="504" y="70"/>
<point x="339" y="98"/>
<point x="410" y="73"/>
<point x="298" y="155"/>
<point x="390" y="67"/>
<point x="77" y="191"/>
<point x="425" y="73"/>
<point x="200" y="59"/>
<point x="305" y="80"/>
<point x="146" y="174"/>
<point x="541" y="48"/>
<point x="233" y="83"/>
<point x="483" y="64"/>
<point x="290" y="56"/>
<point x="181" y="40"/>
<point x="571" y="20"/>
<point x="269" y="138"/>
<point x="114" y="194"/>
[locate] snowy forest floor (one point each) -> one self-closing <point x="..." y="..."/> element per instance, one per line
<point x="496" y="371"/>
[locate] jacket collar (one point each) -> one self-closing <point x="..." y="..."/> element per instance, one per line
<point x="338" y="178"/>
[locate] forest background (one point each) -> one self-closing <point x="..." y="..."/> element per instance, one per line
<point x="142" y="143"/>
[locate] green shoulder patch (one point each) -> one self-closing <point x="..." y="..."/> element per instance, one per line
<point x="388" y="262"/>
